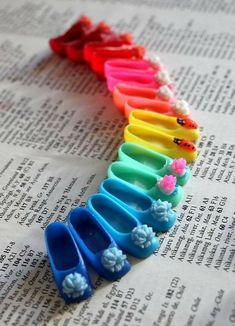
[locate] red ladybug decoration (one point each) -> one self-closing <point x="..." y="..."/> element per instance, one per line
<point x="185" y="144"/>
<point x="187" y="123"/>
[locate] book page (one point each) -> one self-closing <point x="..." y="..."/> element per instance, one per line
<point x="60" y="131"/>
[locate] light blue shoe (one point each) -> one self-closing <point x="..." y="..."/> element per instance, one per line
<point x="155" y="213"/>
<point x="133" y="237"/>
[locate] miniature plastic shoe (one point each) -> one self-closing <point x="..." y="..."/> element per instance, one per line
<point x="124" y="92"/>
<point x="75" y="32"/>
<point x="97" y="245"/>
<point x="67" y="264"/>
<point x="160" y="142"/>
<point x="149" y="79"/>
<point x="111" y="41"/>
<point x="177" y="127"/>
<point x="177" y="109"/>
<point x="164" y="188"/>
<point x="101" y="55"/>
<point x="157" y="214"/>
<point x="129" y="65"/>
<point x="135" y="238"/>
<point x="156" y="163"/>
<point x="74" y="50"/>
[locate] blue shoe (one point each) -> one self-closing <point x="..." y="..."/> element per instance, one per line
<point x="155" y="213"/>
<point x="133" y="237"/>
<point x="67" y="264"/>
<point x="154" y="186"/>
<point x="97" y="246"/>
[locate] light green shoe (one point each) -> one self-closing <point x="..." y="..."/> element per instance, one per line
<point x="154" y="162"/>
<point x="164" y="188"/>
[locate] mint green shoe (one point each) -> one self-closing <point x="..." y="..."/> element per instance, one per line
<point x="164" y="188"/>
<point x="154" y="162"/>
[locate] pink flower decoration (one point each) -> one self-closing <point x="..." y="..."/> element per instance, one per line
<point x="167" y="184"/>
<point x="178" y="166"/>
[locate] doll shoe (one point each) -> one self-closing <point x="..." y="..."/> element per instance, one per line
<point x="161" y="142"/>
<point x="164" y="188"/>
<point x="96" y="245"/>
<point x="157" y="214"/>
<point x="67" y="264"/>
<point x="111" y="41"/>
<point x="127" y="65"/>
<point x="149" y="79"/>
<point x="132" y="236"/>
<point x="155" y="162"/>
<point x="177" y="109"/>
<point x="75" y="32"/>
<point x="100" y="32"/>
<point x="177" y="127"/>
<point x="148" y="63"/>
<point x="123" y="92"/>
<point x="101" y="55"/>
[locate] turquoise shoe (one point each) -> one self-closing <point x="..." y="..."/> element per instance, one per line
<point x="133" y="237"/>
<point x="164" y="188"/>
<point x="157" y="214"/>
<point x="155" y="162"/>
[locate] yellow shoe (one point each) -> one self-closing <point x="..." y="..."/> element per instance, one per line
<point x="177" y="127"/>
<point x="160" y="142"/>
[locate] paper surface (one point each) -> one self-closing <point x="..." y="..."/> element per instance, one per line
<point x="58" y="133"/>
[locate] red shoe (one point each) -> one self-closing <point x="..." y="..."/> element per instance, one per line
<point x="111" y="40"/>
<point x="75" y="32"/>
<point x="74" y="50"/>
<point x="102" y="54"/>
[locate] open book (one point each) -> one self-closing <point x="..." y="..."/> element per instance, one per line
<point x="58" y="133"/>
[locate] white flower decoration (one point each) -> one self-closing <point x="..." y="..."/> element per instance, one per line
<point x="165" y="93"/>
<point x="154" y="59"/>
<point x="163" y="77"/>
<point x="181" y="107"/>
